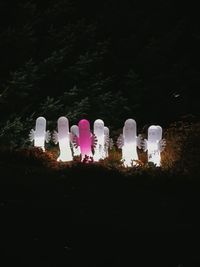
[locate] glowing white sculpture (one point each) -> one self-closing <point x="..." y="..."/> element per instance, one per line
<point x="108" y="142"/>
<point x="75" y="132"/>
<point x="62" y="137"/>
<point x="86" y="140"/>
<point x="128" y="142"/>
<point x="155" y="144"/>
<point x="99" y="152"/>
<point x="40" y="135"/>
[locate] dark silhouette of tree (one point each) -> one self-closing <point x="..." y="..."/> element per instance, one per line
<point x="106" y="59"/>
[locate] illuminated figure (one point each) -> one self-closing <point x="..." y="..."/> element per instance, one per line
<point x="40" y="135"/>
<point x="155" y="144"/>
<point x="86" y="140"/>
<point x="62" y="137"/>
<point x="128" y="142"/>
<point x="108" y="142"/>
<point x="99" y="152"/>
<point x="75" y="132"/>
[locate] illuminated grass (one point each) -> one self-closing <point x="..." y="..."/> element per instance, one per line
<point x="181" y="154"/>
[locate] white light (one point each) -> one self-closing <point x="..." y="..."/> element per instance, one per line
<point x="99" y="152"/>
<point x="62" y="137"/>
<point x="106" y="141"/>
<point x="129" y="142"/>
<point x="176" y="95"/>
<point x="155" y="144"/>
<point x="40" y="135"/>
<point x="75" y="133"/>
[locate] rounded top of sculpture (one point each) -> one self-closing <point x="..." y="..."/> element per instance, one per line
<point x="84" y="124"/>
<point x="74" y="129"/>
<point x="40" y="124"/>
<point x="63" y="120"/>
<point x="152" y="127"/>
<point x="63" y="123"/>
<point x="130" y="124"/>
<point x="41" y="121"/>
<point x="130" y="121"/>
<point x="99" y="122"/>
<point x="159" y="128"/>
<point x="154" y="132"/>
<point x="159" y="132"/>
<point x="106" y="130"/>
<point x="99" y="125"/>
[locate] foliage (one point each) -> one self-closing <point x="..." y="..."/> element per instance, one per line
<point x="109" y="60"/>
<point x="181" y="154"/>
<point x="183" y="144"/>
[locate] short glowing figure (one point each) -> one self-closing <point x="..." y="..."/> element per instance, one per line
<point x="62" y="137"/>
<point x="86" y="140"/>
<point x="75" y="132"/>
<point x="99" y="152"/>
<point x="128" y="142"/>
<point x="108" y="142"/>
<point x="40" y="135"/>
<point x="155" y="144"/>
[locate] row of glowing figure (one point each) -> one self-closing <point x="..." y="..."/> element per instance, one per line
<point x="80" y="141"/>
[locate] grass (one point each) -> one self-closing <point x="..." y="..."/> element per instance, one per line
<point x="101" y="214"/>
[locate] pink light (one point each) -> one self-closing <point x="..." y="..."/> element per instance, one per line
<point x="85" y="138"/>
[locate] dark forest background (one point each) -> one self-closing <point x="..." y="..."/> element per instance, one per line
<point x="97" y="59"/>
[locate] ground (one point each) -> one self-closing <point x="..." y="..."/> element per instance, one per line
<point x="92" y="215"/>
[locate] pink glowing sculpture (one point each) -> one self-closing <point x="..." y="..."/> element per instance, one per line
<point x="75" y="133"/>
<point x="86" y="140"/>
<point x="155" y="144"/>
<point x="128" y="142"/>
<point x="62" y="137"/>
<point x="40" y="135"/>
